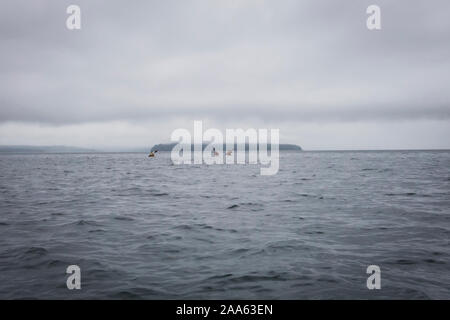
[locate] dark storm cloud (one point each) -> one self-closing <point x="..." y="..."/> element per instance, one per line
<point x="285" y="60"/>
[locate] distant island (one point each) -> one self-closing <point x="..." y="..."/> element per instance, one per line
<point x="169" y="147"/>
<point x="159" y="147"/>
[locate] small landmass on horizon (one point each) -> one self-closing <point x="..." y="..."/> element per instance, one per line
<point x="282" y="147"/>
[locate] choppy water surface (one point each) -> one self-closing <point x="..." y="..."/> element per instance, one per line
<point x="144" y="228"/>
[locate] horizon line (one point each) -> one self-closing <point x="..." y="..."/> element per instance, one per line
<point x="137" y="149"/>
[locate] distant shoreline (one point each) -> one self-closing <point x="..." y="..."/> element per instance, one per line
<point x="77" y="150"/>
<point x="281" y="147"/>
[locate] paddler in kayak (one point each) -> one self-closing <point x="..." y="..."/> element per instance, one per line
<point x="152" y="153"/>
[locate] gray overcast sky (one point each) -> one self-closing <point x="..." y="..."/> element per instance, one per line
<point x="137" y="70"/>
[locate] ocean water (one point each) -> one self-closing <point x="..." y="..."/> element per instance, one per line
<point x="143" y="228"/>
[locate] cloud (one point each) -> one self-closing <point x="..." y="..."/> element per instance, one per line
<point x="308" y="61"/>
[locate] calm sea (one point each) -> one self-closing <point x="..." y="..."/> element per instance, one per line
<point x="143" y="228"/>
